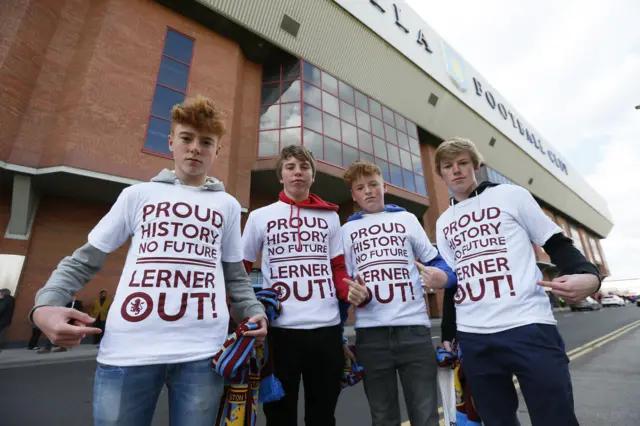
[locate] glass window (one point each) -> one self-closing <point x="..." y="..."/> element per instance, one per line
<point x="414" y="145"/>
<point x="396" y="175"/>
<point x="417" y="165"/>
<point x="329" y="83"/>
<point x="375" y="108"/>
<point x="268" y="143"/>
<point x="365" y="141"/>
<point x="400" y="123"/>
<point x="391" y="134"/>
<point x="577" y="241"/>
<point x="158" y="135"/>
<point x="269" y="117"/>
<point x="290" y="91"/>
<point x="380" y="147"/>
<point x="349" y="134"/>
<point x="384" y="167"/>
<point x="312" y="95"/>
<point x="173" y="74"/>
<point x="290" y="137"/>
<point x="291" y="115"/>
<point x="347" y="112"/>
<point x="330" y="104"/>
<point x="409" y="180"/>
<point x="270" y="72"/>
<point x="377" y="127"/>
<point x="163" y="100"/>
<point x="313" y="141"/>
<point x="178" y="46"/>
<point x="366" y="157"/>
<point x="291" y="71"/>
<point x="331" y="126"/>
<point x="405" y="159"/>
<point x="363" y="120"/>
<point x="349" y="155"/>
<point x="362" y="101"/>
<point x="394" y="154"/>
<point x="312" y="118"/>
<point x="412" y="130"/>
<point x="346" y="92"/>
<point x="332" y="151"/>
<point x="595" y="250"/>
<point x="387" y="115"/>
<point x="310" y="73"/>
<point x="270" y="93"/>
<point x="403" y="140"/>
<point x="421" y="188"/>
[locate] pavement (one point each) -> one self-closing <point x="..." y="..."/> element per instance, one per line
<point x="603" y="347"/>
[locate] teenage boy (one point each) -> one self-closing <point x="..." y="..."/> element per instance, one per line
<point x="382" y="243"/>
<point x="505" y="324"/>
<point x="169" y="315"/>
<point x="299" y="239"/>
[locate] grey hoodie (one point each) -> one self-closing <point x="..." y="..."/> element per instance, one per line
<point x="75" y="271"/>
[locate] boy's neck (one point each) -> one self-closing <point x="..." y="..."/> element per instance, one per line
<point x="296" y="199"/>
<point x="373" y="211"/>
<point x="461" y="196"/>
<point x="191" y="180"/>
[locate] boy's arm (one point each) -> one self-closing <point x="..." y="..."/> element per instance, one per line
<point x="75" y="271"/>
<point x="242" y="298"/>
<point x="449" y="319"/>
<point x="251" y="243"/>
<point x="426" y="253"/>
<point x="338" y="268"/>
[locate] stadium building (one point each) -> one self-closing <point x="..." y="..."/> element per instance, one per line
<point x="86" y="87"/>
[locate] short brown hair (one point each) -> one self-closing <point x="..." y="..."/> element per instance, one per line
<point x="361" y="168"/>
<point x="455" y="146"/>
<point x="300" y="153"/>
<point x="201" y="113"/>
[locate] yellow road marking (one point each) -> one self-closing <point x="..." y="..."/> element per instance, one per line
<point x="574" y="353"/>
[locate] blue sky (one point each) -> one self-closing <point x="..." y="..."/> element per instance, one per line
<point x="572" y="68"/>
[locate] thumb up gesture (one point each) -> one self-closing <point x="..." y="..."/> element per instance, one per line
<point x="358" y="293"/>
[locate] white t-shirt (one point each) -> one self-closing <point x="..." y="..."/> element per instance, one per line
<point x="382" y="247"/>
<point x="297" y="246"/>
<point x="487" y="241"/>
<point x="170" y="304"/>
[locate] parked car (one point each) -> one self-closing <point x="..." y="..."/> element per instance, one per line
<point x="588" y="304"/>
<point x="612" y="301"/>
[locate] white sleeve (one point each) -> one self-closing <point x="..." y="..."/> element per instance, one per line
<point x="335" y="237"/>
<point x="231" y="245"/>
<point x="443" y="247"/>
<point x="423" y="250"/>
<point x="349" y="256"/>
<point x="531" y="217"/>
<point x="115" y="228"/>
<point x="251" y="240"/>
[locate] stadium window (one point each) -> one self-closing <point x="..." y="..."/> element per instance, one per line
<point x="170" y="89"/>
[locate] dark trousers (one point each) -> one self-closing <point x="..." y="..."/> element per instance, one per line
<point x="536" y="355"/>
<point x="35" y="337"/>
<point x="97" y="338"/>
<point x="318" y="357"/>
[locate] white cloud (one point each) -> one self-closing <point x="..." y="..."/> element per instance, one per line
<point x="571" y="69"/>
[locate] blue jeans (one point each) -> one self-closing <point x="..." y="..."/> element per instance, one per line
<point x="127" y="396"/>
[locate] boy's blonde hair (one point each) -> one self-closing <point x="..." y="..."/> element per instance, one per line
<point x="455" y="146"/>
<point x="300" y="153"/>
<point x="201" y="113"/>
<point x="361" y="168"/>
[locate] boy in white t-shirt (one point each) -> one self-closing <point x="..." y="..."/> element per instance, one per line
<point x="505" y="324"/>
<point x="382" y="245"/>
<point x="298" y="237"/>
<point x="169" y="315"/>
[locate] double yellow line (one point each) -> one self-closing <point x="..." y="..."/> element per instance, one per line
<point x="574" y="353"/>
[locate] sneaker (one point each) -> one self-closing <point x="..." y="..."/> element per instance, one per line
<point x="44" y="351"/>
<point x="35" y="348"/>
<point x="60" y="349"/>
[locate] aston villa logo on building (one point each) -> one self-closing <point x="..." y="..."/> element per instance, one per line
<point x="455" y="67"/>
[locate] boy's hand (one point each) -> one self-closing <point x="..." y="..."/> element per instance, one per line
<point x="54" y="323"/>
<point x="573" y="288"/>
<point x="432" y="277"/>
<point x="348" y="352"/>
<point x="447" y="346"/>
<point x="261" y="332"/>
<point x="357" y="291"/>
